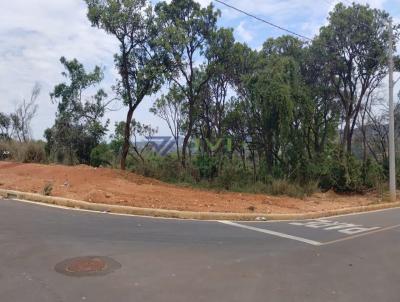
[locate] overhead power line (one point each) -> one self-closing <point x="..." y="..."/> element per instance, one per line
<point x="263" y="20"/>
<point x="277" y="26"/>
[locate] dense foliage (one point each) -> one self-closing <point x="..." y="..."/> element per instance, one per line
<point x="287" y="118"/>
<point x="78" y="128"/>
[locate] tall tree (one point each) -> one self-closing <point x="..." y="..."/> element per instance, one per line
<point x="269" y="107"/>
<point x="78" y="127"/>
<point x="131" y="22"/>
<point x="220" y="58"/>
<point x="184" y="30"/>
<point x="22" y="117"/>
<point x="211" y="125"/>
<point x="353" y="46"/>
<point x="171" y="109"/>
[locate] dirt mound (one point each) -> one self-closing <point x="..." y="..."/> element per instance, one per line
<point x="108" y="186"/>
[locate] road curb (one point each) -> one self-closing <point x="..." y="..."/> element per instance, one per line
<point x="84" y="205"/>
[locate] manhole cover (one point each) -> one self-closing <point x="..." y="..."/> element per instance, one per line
<point x="87" y="266"/>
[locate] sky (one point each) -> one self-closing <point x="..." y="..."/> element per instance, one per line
<point x="34" y="34"/>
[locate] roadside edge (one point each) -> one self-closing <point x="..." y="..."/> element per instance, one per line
<point x="135" y="211"/>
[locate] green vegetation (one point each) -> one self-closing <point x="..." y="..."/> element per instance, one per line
<point x="78" y="128"/>
<point x="29" y="152"/>
<point x="290" y="118"/>
<point x="47" y="189"/>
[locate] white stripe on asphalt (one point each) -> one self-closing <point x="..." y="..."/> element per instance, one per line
<point x="269" y="232"/>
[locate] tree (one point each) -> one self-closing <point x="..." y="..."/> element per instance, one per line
<point x="353" y="46"/>
<point x="269" y="108"/>
<point x="184" y="30"/>
<point x="220" y="59"/>
<point x="5" y="125"/>
<point x="131" y="22"/>
<point x="22" y="117"/>
<point x="326" y="107"/>
<point x="78" y="127"/>
<point x="215" y="97"/>
<point x="138" y="130"/>
<point x="170" y="108"/>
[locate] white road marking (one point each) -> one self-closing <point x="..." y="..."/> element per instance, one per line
<point x="341" y="227"/>
<point x="273" y="233"/>
<point x="36" y="203"/>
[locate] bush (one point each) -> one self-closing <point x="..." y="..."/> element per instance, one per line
<point x="34" y="153"/>
<point x="373" y="174"/>
<point x="30" y="152"/>
<point x="47" y="189"/>
<point x="207" y="166"/>
<point x="344" y="173"/>
<point x="5" y="150"/>
<point x="233" y="177"/>
<point x="283" y="187"/>
<point x="101" y="155"/>
<point x="168" y="168"/>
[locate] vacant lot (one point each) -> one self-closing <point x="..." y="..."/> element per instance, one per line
<point x="100" y="185"/>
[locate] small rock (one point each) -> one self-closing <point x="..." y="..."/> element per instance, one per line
<point x="261" y="218"/>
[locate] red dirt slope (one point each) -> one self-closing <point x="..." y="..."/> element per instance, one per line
<point x="109" y="186"/>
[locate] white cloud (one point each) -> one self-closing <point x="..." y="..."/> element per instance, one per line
<point x="244" y="34"/>
<point x="34" y="34"/>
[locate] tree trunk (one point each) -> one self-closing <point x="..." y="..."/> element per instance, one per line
<point x="177" y="147"/>
<point x="269" y="153"/>
<point x="349" y="142"/>
<point x="184" y="148"/>
<point x="187" y="135"/>
<point x="127" y="137"/>
<point x="347" y="136"/>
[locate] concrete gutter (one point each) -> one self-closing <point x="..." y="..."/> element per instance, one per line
<point x="78" y="204"/>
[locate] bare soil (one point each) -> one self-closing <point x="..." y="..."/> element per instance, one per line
<point x="108" y="186"/>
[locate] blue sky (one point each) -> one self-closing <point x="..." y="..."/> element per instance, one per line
<point x="34" y="34"/>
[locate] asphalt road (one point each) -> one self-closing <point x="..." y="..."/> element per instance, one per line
<point x="348" y="258"/>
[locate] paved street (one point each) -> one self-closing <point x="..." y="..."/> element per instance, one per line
<point x="348" y="258"/>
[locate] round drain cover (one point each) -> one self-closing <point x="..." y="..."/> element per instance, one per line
<point x="87" y="266"/>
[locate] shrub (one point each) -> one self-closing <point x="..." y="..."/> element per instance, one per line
<point x="101" y="155"/>
<point x="283" y="187"/>
<point x="373" y="174"/>
<point x="5" y="150"/>
<point x="47" y="189"/>
<point x="207" y="166"/>
<point x="344" y="173"/>
<point x="30" y="152"/>
<point x="233" y="177"/>
<point x="33" y="153"/>
<point x="168" y="168"/>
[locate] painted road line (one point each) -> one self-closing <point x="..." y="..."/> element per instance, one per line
<point x="273" y="233"/>
<point x="363" y="234"/>
<point x="341" y="227"/>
